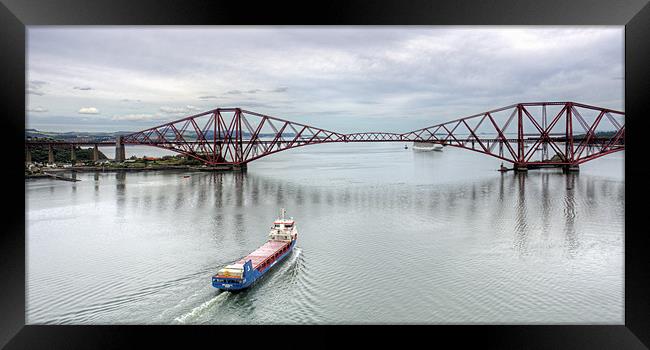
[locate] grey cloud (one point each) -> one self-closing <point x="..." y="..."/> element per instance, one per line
<point x="136" y="117"/>
<point x="244" y="104"/>
<point x="179" y="110"/>
<point x="37" y="109"/>
<point x="254" y="91"/>
<point x="85" y="88"/>
<point x="399" y="76"/>
<point x="34" y="87"/>
<point x="173" y="110"/>
<point x="35" y="92"/>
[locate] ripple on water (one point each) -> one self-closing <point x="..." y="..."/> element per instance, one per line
<point x="398" y="238"/>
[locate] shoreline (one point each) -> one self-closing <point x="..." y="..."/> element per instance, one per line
<point x="93" y="169"/>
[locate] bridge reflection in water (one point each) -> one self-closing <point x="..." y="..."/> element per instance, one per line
<point x="532" y="203"/>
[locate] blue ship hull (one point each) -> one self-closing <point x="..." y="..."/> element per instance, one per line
<point x="250" y="274"/>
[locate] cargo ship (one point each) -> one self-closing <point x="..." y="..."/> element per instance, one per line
<point x="244" y="272"/>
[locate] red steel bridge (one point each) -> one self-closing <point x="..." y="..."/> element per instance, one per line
<point x="528" y="135"/>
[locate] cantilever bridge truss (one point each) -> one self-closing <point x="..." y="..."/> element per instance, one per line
<point x="231" y="136"/>
<point x="525" y="134"/>
<point x="534" y="134"/>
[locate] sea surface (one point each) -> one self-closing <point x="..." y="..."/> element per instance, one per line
<point x="386" y="235"/>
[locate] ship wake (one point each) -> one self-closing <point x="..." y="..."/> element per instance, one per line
<point x="199" y="310"/>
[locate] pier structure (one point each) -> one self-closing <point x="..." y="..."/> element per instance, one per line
<point x="50" y="154"/>
<point x="28" y="155"/>
<point x="73" y="156"/>
<point x="120" y="152"/>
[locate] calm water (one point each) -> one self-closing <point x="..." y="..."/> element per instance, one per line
<point x="387" y="235"/>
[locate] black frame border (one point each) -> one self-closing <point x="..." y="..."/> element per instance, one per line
<point x="15" y="15"/>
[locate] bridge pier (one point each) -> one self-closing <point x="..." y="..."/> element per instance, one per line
<point x="570" y="168"/>
<point x="95" y="153"/>
<point x="239" y="167"/>
<point x="28" y="155"/>
<point x="73" y="156"/>
<point x="50" y="155"/>
<point x="224" y="167"/>
<point x="520" y="167"/>
<point x="120" y="154"/>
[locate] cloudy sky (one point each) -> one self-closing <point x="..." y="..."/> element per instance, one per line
<point x="345" y="79"/>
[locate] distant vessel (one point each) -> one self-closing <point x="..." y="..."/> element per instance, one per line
<point x="427" y="146"/>
<point x="244" y="272"/>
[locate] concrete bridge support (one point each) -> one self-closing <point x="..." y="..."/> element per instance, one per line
<point x="28" y="155"/>
<point x="571" y="168"/>
<point x="239" y="167"/>
<point x="73" y="156"/>
<point x="95" y="153"/>
<point x="50" y="154"/>
<point x="120" y="154"/>
<point x="520" y="168"/>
